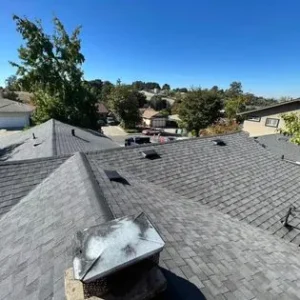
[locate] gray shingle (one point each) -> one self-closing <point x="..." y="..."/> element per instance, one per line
<point x="9" y="106"/>
<point x="36" y="245"/>
<point x="241" y="179"/>
<point x="52" y="138"/>
<point x="220" y="255"/>
<point x="280" y="145"/>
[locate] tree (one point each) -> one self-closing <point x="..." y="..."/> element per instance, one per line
<point x="200" y="108"/>
<point x="138" y="85"/>
<point x="141" y="98"/>
<point x="234" y="106"/>
<point x="50" y="67"/>
<point x="166" y="87"/>
<point x="123" y="101"/>
<point x="12" y="83"/>
<point x="235" y="90"/>
<point x="158" y="103"/>
<point x="292" y="126"/>
<point x="151" y="86"/>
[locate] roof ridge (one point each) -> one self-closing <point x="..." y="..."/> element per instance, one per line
<point x="33" y="160"/>
<point x="169" y="142"/>
<point x="54" y="148"/>
<point x="98" y="200"/>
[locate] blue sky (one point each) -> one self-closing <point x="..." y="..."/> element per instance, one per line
<point x="183" y="43"/>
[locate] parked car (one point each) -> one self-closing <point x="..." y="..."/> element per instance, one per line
<point x="111" y="121"/>
<point x="138" y="140"/>
<point x="151" y="131"/>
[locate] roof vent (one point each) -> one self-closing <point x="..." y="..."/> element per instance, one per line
<point x="115" y="176"/>
<point x="219" y="142"/>
<point x="73" y="132"/>
<point x="150" y="154"/>
<point x="33" y="136"/>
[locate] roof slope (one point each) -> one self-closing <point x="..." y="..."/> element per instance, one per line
<point x="206" y="200"/>
<point x="51" y="138"/>
<point x="150" y="113"/>
<point x="7" y="106"/>
<point x="18" y="178"/>
<point x="280" y="145"/>
<point x="241" y="179"/>
<point x="36" y="245"/>
<point x="221" y="256"/>
<point x="281" y="104"/>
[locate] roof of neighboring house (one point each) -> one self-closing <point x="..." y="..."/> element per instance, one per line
<point x="174" y="117"/>
<point x="102" y="108"/>
<point x="218" y="208"/>
<point x="9" y="106"/>
<point x="51" y="138"/>
<point x="282" y="104"/>
<point x="150" y="113"/>
<point x="149" y="95"/>
<point x="280" y="145"/>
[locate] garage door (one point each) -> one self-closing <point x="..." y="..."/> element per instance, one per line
<point x="158" y="123"/>
<point x="13" y="122"/>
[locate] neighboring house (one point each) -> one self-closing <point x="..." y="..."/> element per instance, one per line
<point x="268" y="120"/>
<point x="102" y="110"/>
<point x="153" y="118"/>
<point x="50" y="139"/>
<point x="149" y="96"/>
<point x="219" y="210"/>
<point x="14" y="115"/>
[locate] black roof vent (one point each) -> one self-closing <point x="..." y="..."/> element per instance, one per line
<point x="150" y="154"/>
<point x="33" y="136"/>
<point x="219" y="142"/>
<point x="115" y="176"/>
<point x="73" y="132"/>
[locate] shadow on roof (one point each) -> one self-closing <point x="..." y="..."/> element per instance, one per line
<point x="179" y="288"/>
<point x="6" y="153"/>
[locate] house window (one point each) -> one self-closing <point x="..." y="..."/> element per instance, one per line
<point x="254" y="118"/>
<point x="271" y="122"/>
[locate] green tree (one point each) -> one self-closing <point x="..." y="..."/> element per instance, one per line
<point x="234" y="106"/>
<point x="138" y="85"/>
<point x="158" y="103"/>
<point x="12" y="83"/>
<point x="124" y="103"/>
<point x="200" y="108"/>
<point x="235" y="90"/>
<point x="292" y="126"/>
<point x="50" y="67"/>
<point x="166" y="87"/>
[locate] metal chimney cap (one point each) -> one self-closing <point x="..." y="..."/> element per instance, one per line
<point x="104" y="249"/>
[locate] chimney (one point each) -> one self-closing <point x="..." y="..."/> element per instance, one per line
<point x="73" y="132"/>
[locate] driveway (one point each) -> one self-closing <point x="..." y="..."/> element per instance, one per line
<point x="114" y="131"/>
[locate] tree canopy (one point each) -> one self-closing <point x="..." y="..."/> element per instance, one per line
<point x="124" y="102"/>
<point x="199" y="108"/>
<point x="50" y="67"/>
<point x="158" y="103"/>
<point x="292" y="126"/>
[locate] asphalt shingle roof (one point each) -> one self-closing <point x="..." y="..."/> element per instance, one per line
<point x="218" y="208"/>
<point x="280" y="145"/>
<point x="36" y="245"/>
<point x="18" y="178"/>
<point x="51" y="138"/>
<point x="9" y="106"/>
<point x="240" y="179"/>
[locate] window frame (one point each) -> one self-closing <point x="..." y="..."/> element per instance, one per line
<point x="258" y="119"/>
<point x="272" y="125"/>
